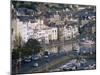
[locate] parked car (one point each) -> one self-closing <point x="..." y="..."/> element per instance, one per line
<point x="35" y="65"/>
<point x="27" y="59"/>
<point x="46" y="54"/>
<point x="35" y="57"/>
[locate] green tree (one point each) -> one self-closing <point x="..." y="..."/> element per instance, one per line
<point x="26" y="52"/>
<point x="34" y="45"/>
<point x="16" y="53"/>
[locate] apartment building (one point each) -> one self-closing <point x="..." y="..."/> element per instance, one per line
<point x="36" y="30"/>
<point x="45" y="35"/>
<point x="70" y="32"/>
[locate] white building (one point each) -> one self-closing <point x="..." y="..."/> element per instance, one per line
<point x="45" y="35"/>
<point x="70" y="32"/>
<point x="13" y="33"/>
<point x="24" y="29"/>
<point x="37" y="30"/>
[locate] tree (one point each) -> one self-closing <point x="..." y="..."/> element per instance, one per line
<point x="23" y="4"/>
<point x="26" y="52"/>
<point x="17" y="47"/>
<point x="31" y="47"/>
<point x="34" y="45"/>
<point x="16" y="53"/>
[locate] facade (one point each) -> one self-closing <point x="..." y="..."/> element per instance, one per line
<point x="45" y="35"/>
<point x="24" y="30"/>
<point x="36" y="30"/>
<point x="70" y="32"/>
<point x="13" y="32"/>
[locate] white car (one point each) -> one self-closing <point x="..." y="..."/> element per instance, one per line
<point x="35" y="65"/>
<point x="35" y="58"/>
<point x="46" y="56"/>
<point x="27" y="60"/>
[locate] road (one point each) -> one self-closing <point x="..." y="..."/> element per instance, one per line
<point x="54" y="58"/>
<point x="25" y="68"/>
<point x="54" y="61"/>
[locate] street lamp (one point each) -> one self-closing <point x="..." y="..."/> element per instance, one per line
<point x="72" y="39"/>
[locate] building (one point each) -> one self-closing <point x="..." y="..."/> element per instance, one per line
<point x="36" y="30"/>
<point x="70" y="32"/>
<point x="45" y="35"/>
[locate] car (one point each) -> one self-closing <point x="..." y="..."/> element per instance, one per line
<point x="35" y="65"/>
<point x="27" y="60"/>
<point x="35" y="58"/>
<point x="46" y="56"/>
<point x="46" y="53"/>
<point x="67" y="69"/>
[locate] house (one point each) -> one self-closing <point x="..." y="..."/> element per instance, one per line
<point x="45" y="35"/>
<point x="70" y="32"/>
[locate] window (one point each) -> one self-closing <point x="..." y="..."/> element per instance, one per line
<point x="40" y="34"/>
<point x="52" y="30"/>
<point x="55" y="31"/>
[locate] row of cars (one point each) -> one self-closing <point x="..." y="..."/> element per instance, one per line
<point x="75" y="64"/>
<point x="34" y="58"/>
